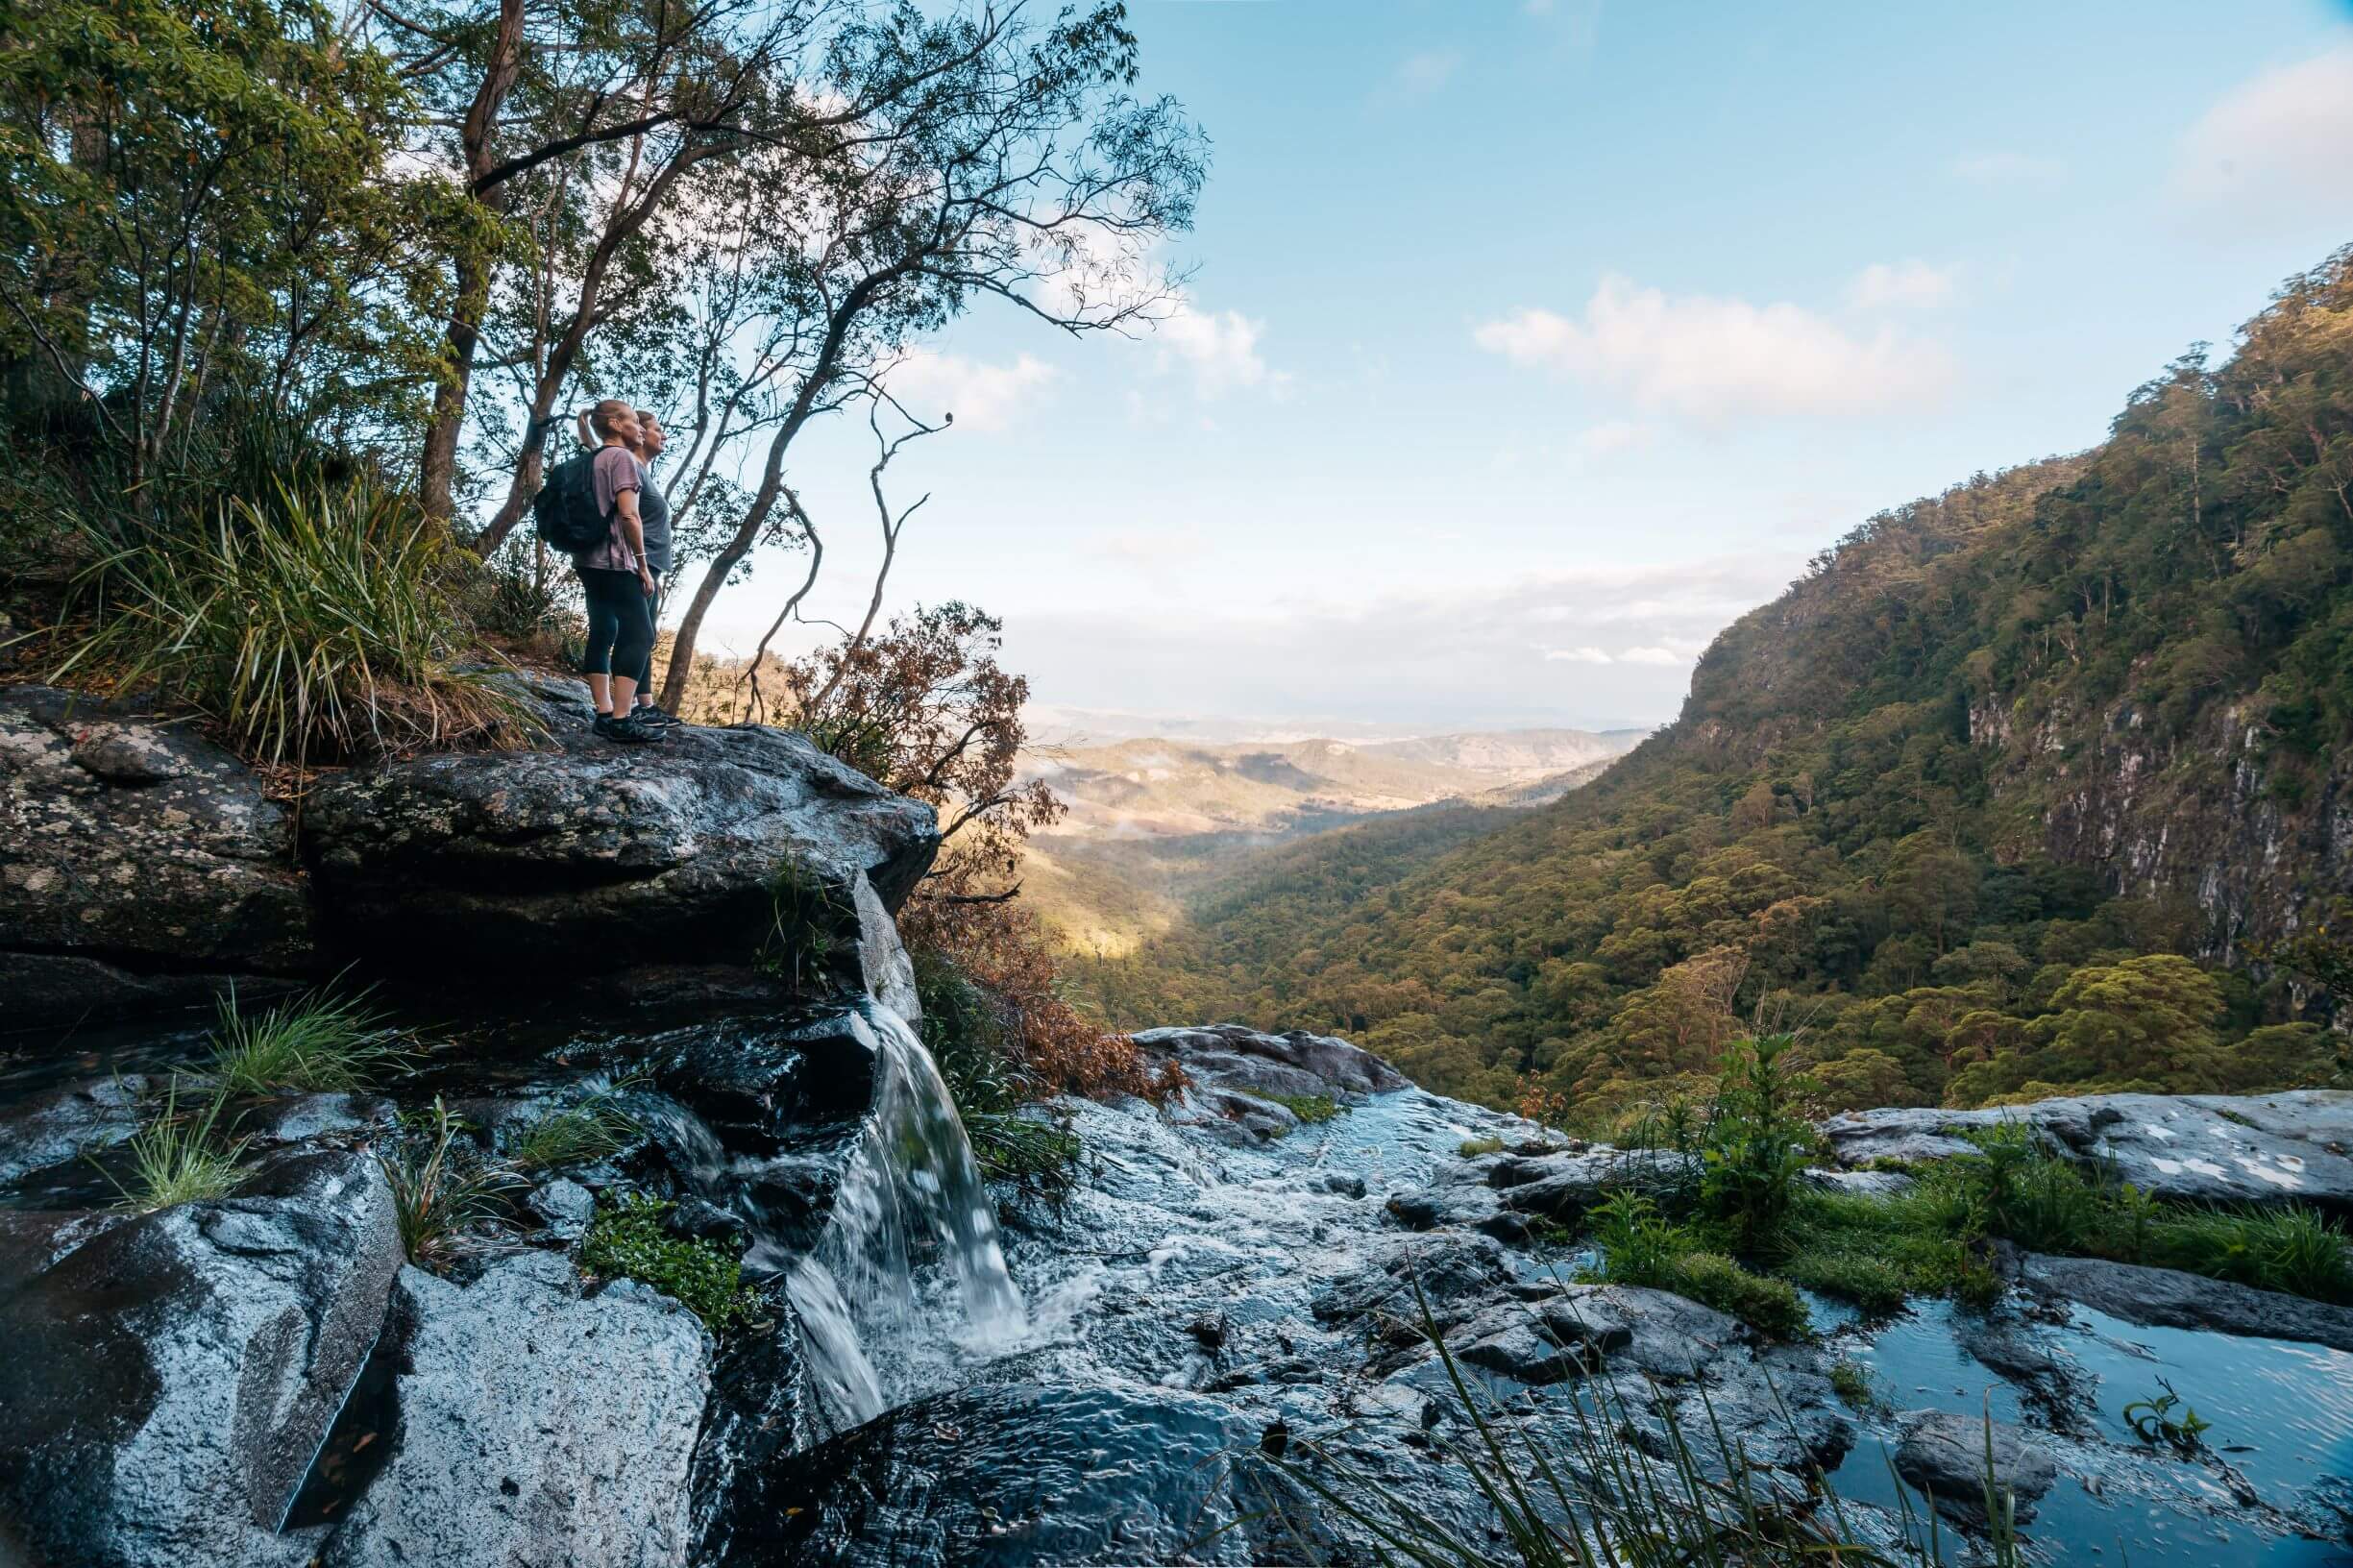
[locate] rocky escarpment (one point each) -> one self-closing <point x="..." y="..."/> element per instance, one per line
<point x="146" y="868"/>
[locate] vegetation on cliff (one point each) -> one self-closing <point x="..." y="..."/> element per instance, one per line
<point x="1988" y="806"/>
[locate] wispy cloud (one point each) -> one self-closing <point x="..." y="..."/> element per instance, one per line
<point x="1220" y="347"/>
<point x="1424" y="73"/>
<point x="982" y="395"/>
<point x="2281" y="143"/>
<point x="2008" y="168"/>
<point x="1577" y="655"/>
<point x="1913" y="286"/>
<point x="1713" y="361"/>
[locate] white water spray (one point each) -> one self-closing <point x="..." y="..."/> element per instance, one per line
<point x="911" y="1200"/>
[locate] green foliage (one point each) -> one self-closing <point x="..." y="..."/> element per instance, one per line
<point x="1032" y="1150"/>
<point x="1637" y="1246"/>
<point x="1882" y="829"/>
<point x="1471" y="1148"/>
<point x="1311" y="1109"/>
<point x="1850" y="1381"/>
<point x="626" y="1241"/>
<point x="2153" y="1422"/>
<point x="180" y="1156"/>
<point x="595" y="1129"/>
<point x="1753" y="1147"/>
<point x="806" y="924"/>
<point x="310" y="625"/>
<point x="316" y="1041"/>
<point x="441" y="1188"/>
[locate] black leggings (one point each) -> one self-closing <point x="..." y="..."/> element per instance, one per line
<point x="653" y="629"/>
<point x="619" y="622"/>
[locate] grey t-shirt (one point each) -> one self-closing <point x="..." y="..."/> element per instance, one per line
<point x="653" y="515"/>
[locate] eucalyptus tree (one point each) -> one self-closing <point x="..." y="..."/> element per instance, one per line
<point x="987" y="158"/>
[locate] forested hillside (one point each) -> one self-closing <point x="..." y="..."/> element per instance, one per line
<point x="2009" y="793"/>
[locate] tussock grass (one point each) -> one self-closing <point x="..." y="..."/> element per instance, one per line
<point x="313" y="624"/>
<point x="578" y="1134"/>
<point x="439" y="1190"/>
<point x="180" y="1156"/>
<point x="317" y="1041"/>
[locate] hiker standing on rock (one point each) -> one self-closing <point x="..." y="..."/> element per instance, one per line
<point x="615" y="579"/>
<point x="653" y="517"/>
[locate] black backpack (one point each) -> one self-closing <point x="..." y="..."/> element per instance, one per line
<point x="565" y="510"/>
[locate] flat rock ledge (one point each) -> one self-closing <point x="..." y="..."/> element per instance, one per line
<point x="2188" y="1148"/>
<point x="147" y="868"/>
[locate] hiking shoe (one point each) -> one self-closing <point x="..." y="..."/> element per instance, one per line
<point x="646" y="713"/>
<point x="627" y="731"/>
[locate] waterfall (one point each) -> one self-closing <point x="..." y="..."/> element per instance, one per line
<point x="911" y="1203"/>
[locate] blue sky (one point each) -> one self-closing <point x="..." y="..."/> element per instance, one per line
<point x="1527" y="344"/>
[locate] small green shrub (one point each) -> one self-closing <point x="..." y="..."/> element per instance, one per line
<point x="179" y="1158"/>
<point x="1638" y="1247"/>
<point x="1872" y="1283"/>
<point x="2153" y="1422"/>
<point x="627" y="1242"/>
<point x="1755" y="1145"/>
<point x="1471" y="1148"/>
<point x="440" y="1190"/>
<point x="1310" y="1109"/>
<point x="579" y="1135"/>
<point x="1770" y="1306"/>
<point x="316" y="1041"/>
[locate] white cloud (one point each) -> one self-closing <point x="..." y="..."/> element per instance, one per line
<point x="1220" y="346"/>
<point x="1713" y="359"/>
<point x="2283" y="142"/>
<point x="1578" y="655"/>
<point x="2008" y="169"/>
<point x="1912" y="285"/>
<point x="1613" y="436"/>
<point x="1428" y="71"/>
<point x="1654" y="655"/>
<point x="982" y="397"/>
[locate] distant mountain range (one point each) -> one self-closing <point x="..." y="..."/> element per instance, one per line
<point x="1149" y="816"/>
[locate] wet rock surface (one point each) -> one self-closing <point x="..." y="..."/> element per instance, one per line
<point x="143" y="865"/>
<point x="168" y="1380"/>
<point x="537" y="1423"/>
<point x="2193" y="1148"/>
<point x="668" y="852"/>
<point x="1944" y="1455"/>
<point x="2168" y="1298"/>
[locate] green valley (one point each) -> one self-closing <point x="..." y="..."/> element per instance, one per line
<point x="2039" y="784"/>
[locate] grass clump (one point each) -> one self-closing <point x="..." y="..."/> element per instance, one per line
<point x="1033" y="1152"/>
<point x="1638" y="1246"/>
<point x="579" y="1135"/>
<point x="1850" y="1381"/>
<point x="316" y="1041"/>
<point x="1471" y="1148"/>
<point x="805" y="923"/>
<point x="440" y="1188"/>
<point x="311" y="624"/>
<point x="179" y="1158"/>
<point x="627" y="1242"/>
<point x="1311" y="1109"/>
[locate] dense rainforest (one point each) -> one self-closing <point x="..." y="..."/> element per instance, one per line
<point x="2043" y="783"/>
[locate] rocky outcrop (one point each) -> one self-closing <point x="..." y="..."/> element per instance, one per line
<point x="2168" y="1298"/>
<point x="167" y="1381"/>
<point x="537" y="1424"/>
<point x="2192" y="1148"/>
<point x="1244" y="1076"/>
<point x="147" y="868"/>
<point x="140" y="865"/>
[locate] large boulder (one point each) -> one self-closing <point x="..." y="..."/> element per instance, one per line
<point x="1249" y="1060"/>
<point x="167" y="1381"/>
<point x="537" y="1424"/>
<point x="144" y="866"/>
<point x="583" y="852"/>
<point x="2186" y="1148"/>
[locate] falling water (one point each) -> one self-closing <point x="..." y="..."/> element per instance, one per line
<point x="911" y="1199"/>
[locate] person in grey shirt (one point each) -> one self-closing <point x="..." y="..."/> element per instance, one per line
<point x="654" y="512"/>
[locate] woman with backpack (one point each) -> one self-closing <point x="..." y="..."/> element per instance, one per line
<point x="614" y="576"/>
